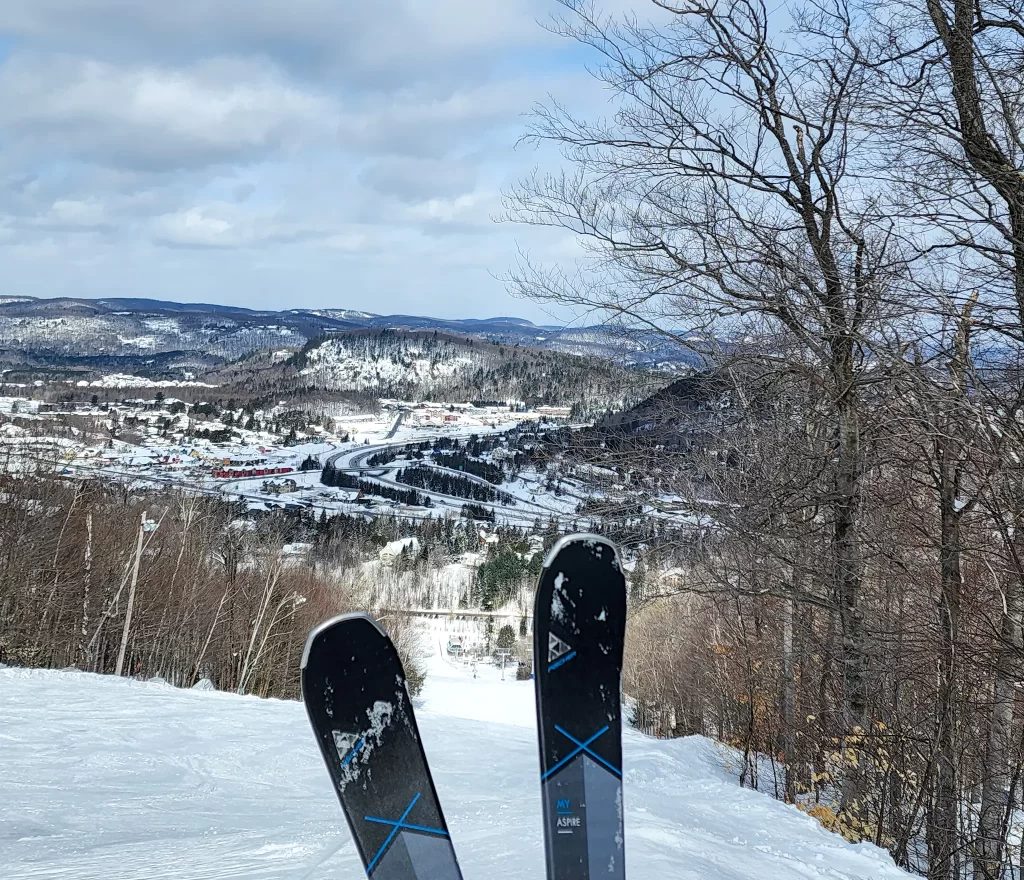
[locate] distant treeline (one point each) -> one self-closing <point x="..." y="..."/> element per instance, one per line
<point x="476" y="511"/>
<point x="459" y="461"/>
<point x="339" y="479"/>
<point x="436" y="480"/>
<point x="410" y="450"/>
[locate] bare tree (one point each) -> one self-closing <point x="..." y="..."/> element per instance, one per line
<point x="722" y="194"/>
<point x="947" y="85"/>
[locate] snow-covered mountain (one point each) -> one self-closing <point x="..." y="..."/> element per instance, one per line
<point x="364" y="362"/>
<point x="112" y="778"/>
<point x="39" y="331"/>
<point x="439" y="366"/>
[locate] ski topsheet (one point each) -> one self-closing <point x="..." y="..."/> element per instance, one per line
<point x="353" y="686"/>
<point x="579" y="623"/>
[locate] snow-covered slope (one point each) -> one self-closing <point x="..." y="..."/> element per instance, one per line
<point x="108" y="779"/>
<point x="359" y="363"/>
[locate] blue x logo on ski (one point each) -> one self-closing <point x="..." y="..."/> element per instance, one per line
<point x="582" y="748"/>
<point x="398" y="826"/>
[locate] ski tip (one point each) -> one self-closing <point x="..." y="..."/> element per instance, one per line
<point x="586" y="539"/>
<point x="333" y="622"/>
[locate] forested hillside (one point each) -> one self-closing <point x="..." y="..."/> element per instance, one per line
<point x="433" y="366"/>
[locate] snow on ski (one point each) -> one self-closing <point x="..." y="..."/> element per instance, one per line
<point x="579" y="624"/>
<point x="353" y="687"/>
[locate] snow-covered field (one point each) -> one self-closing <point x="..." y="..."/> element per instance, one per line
<point x="122" y="780"/>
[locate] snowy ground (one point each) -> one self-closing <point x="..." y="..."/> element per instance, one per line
<point x="107" y="779"/>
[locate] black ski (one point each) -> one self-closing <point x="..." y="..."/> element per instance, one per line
<point x="579" y="623"/>
<point x="353" y="686"/>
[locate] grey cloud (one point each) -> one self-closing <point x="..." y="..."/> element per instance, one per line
<point x="156" y="119"/>
<point x="390" y="38"/>
<point x="414" y="124"/>
<point x="413" y="180"/>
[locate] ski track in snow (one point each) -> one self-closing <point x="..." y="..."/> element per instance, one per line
<point x="107" y="779"/>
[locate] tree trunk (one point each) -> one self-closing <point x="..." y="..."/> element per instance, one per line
<point x="788" y="703"/>
<point x="981" y="149"/>
<point x="943" y="817"/>
<point x="83" y="653"/>
<point x="131" y="597"/>
<point x="848" y="578"/>
<point x="995" y="787"/>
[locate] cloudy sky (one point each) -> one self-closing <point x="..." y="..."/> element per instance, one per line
<point x="274" y="153"/>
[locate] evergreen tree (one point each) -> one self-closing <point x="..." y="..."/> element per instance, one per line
<point x="506" y="640"/>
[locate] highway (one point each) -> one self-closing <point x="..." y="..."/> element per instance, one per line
<point x="352" y="461"/>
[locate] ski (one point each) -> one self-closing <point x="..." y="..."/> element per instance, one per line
<point x="579" y="624"/>
<point x="353" y="687"/>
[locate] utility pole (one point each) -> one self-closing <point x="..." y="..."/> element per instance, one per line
<point x="144" y="526"/>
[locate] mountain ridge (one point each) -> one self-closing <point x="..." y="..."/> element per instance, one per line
<point x="356" y="316"/>
<point x="74" y="327"/>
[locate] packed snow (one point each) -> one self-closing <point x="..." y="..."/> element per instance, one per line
<point x="108" y="778"/>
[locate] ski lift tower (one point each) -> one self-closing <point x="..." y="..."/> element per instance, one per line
<point x="503" y="655"/>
